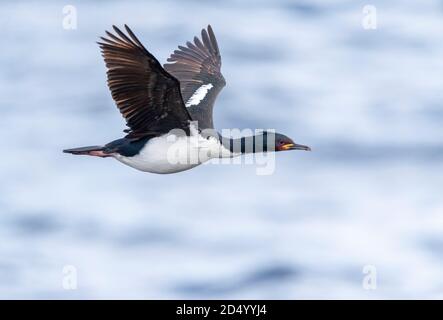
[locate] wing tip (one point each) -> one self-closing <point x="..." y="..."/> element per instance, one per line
<point x="116" y="29"/>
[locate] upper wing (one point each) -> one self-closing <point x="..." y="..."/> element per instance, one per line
<point x="148" y="97"/>
<point x="197" y="66"/>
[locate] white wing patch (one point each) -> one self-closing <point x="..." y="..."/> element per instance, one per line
<point x="199" y="95"/>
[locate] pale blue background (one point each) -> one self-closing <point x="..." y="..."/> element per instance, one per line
<point x="368" y="102"/>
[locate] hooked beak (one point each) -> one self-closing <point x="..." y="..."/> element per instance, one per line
<point x="294" y="146"/>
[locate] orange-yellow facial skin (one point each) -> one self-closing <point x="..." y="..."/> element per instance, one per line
<point x="286" y="146"/>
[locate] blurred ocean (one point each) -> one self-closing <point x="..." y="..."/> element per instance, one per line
<point x="368" y="102"/>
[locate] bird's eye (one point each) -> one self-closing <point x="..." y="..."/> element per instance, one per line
<point x="282" y="142"/>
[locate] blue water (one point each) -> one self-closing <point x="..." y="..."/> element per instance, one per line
<point x="368" y="102"/>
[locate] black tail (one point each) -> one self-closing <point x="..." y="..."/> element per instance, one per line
<point x="90" y="151"/>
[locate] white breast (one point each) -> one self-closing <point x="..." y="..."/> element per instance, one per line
<point x="170" y="153"/>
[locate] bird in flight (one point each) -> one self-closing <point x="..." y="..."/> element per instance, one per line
<point x="168" y="110"/>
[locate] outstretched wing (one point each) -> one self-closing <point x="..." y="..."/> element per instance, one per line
<point x="197" y="66"/>
<point x="147" y="96"/>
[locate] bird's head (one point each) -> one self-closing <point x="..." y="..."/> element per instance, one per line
<point x="284" y="143"/>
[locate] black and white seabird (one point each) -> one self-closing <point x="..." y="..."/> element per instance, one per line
<point x="168" y="110"/>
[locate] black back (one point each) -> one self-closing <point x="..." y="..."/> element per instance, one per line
<point x="126" y="147"/>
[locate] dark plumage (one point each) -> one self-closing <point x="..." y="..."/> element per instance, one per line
<point x="195" y="65"/>
<point x="147" y="96"/>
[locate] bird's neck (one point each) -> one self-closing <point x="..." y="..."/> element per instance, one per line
<point x="250" y="144"/>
